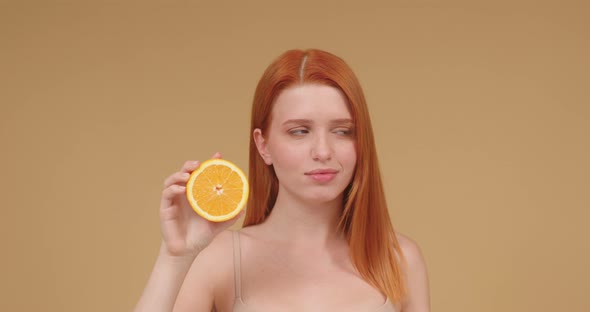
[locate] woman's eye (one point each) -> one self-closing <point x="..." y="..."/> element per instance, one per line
<point x="343" y="131"/>
<point x="298" y="131"/>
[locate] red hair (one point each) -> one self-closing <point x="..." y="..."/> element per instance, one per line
<point x="365" y="219"/>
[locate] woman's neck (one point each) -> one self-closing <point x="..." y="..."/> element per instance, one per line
<point x="302" y="223"/>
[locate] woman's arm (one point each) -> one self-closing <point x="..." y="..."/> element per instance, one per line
<point x="416" y="275"/>
<point x="164" y="283"/>
<point x="207" y="280"/>
<point x="184" y="236"/>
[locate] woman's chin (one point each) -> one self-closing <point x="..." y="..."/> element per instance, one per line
<point x="322" y="199"/>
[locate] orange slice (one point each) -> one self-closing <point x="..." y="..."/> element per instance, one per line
<point x="217" y="190"/>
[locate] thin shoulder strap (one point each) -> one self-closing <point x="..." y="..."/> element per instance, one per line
<point x="237" y="260"/>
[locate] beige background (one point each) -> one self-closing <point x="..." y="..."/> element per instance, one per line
<point x="481" y="114"/>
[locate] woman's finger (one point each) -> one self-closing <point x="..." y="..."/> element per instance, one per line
<point x="170" y="192"/>
<point x="177" y="178"/>
<point x="190" y="166"/>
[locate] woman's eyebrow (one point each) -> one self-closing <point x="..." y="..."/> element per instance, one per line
<point x="340" y="121"/>
<point x="346" y="121"/>
<point x="298" y="121"/>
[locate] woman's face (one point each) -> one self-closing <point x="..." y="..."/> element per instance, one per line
<point x="310" y="143"/>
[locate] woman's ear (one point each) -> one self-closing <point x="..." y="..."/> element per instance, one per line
<point x="261" y="145"/>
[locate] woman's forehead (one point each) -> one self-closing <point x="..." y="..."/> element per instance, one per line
<point x="311" y="101"/>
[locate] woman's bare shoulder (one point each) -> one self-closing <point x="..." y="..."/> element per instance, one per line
<point x="254" y="232"/>
<point x="216" y="252"/>
<point x="221" y="243"/>
<point x="210" y="278"/>
<point x="215" y="257"/>
<point x="410" y="248"/>
<point x="418" y="296"/>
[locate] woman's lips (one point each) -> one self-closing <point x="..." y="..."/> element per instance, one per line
<point x="322" y="175"/>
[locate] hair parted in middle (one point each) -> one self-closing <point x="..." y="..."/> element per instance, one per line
<point x="365" y="220"/>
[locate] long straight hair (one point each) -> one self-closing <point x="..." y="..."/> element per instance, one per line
<point x="365" y="221"/>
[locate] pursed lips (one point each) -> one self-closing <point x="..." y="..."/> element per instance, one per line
<point x="322" y="171"/>
<point x="322" y="175"/>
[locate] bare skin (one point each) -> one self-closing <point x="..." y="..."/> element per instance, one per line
<point x="320" y="276"/>
<point x="296" y="260"/>
<point x="184" y="235"/>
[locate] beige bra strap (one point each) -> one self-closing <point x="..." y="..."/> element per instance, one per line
<point x="237" y="272"/>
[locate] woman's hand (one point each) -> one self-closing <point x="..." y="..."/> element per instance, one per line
<point x="184" y="232"/>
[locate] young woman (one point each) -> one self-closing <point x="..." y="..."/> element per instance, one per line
<point x="317" y="234"/>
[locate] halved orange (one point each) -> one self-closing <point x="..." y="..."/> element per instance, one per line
<point x="217" y="190"/>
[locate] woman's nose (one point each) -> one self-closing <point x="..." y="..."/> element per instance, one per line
<point x="321" y="149"/>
